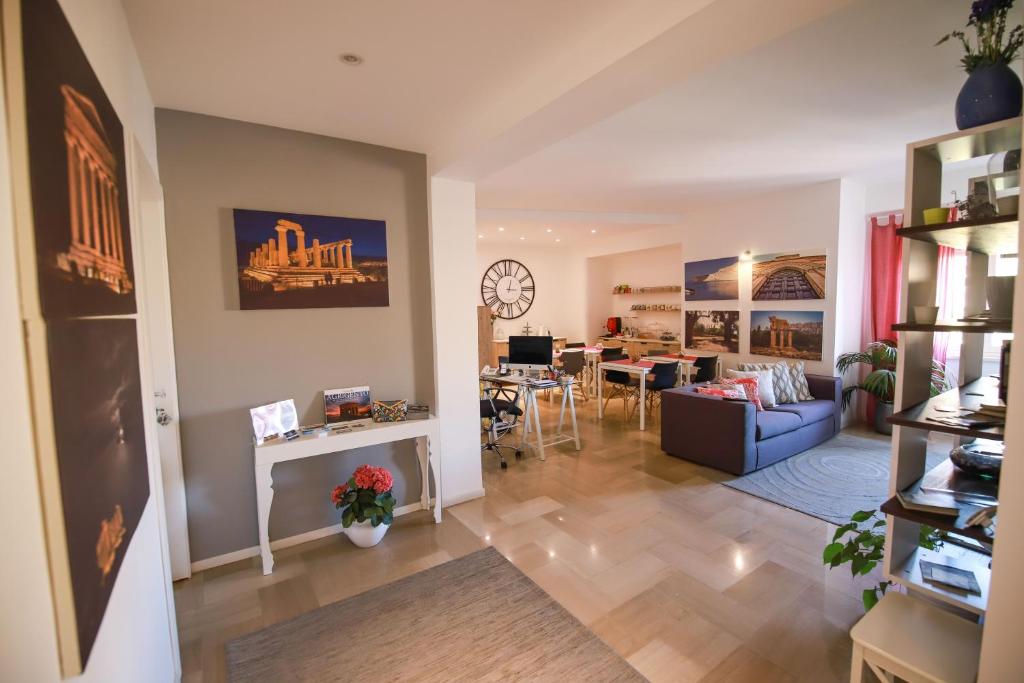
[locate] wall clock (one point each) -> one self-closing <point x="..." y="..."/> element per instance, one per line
<point x="507" y="287"/>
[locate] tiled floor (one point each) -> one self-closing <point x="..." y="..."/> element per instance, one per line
<point x="687" y="579"/>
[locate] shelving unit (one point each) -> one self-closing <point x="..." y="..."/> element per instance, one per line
<point x="657" y="289"/>
<point x="914" y="405"/>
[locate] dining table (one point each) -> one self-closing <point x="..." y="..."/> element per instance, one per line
<point x="640" y="368"/>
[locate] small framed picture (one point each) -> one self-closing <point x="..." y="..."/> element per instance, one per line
<point x="274" y="419"/>
<point x="348" y="406"/>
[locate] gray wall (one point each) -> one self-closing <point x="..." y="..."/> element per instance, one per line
<point x="230" y="360"/>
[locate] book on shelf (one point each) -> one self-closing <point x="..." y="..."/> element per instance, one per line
<point x="961" y="579"/>
<point x="948" y="479"/>
<point x="933" y="503"/>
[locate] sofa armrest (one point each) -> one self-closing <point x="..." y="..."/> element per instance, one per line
<point x="709" y="430"/>
<point x="826" y="388"/>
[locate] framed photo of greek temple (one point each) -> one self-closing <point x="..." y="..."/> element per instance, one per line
<point x="76" y="158"/>
<point x="293" y="260"/>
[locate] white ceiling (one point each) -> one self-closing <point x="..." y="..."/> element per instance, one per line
<point x="431" y="66"/>
<point x="840" y="97"/>
<point x="561" y="228"/>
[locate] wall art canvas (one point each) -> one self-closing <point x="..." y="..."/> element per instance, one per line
<point x="787" y="334"/>
<point x="712" y="280"/>
<point x="347" y="406"/>
<point x="292" y="260"/>
<point x="786" y="277"/>
<point x="101" y="456"/>
<point x="273" y="419"/>
<point x="716" y="331"/>
<point x="76" y="157"/>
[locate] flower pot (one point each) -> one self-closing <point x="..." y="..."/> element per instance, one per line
<point x="365" y="535"/>
<point x="991" y="93"/>
<point x="882" y="411"/>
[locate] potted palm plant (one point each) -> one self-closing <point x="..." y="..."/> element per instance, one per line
<point x="881" y="356"/>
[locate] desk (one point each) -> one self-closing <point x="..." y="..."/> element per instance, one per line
<point x="531" y="414"/>
<point x="639" y="368"/>
<point x="428" y="438"/>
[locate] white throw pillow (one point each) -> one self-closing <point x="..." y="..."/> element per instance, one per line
<point x="765" y="384"/>
<point x="785" y="391"/>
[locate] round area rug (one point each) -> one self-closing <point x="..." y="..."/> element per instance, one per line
<point x="831" y="481"/>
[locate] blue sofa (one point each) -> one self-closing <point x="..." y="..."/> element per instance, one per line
<point x="734" y="437"/>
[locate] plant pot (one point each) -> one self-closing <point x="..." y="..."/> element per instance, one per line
<point x="365" y="535"/>
<point x="882" y="412"/>
<point x="991" y="93"/>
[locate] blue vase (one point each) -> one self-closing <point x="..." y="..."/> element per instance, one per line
<point x="991" y="93"/>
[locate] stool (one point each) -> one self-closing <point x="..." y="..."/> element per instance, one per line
<point x="907" y="637"/>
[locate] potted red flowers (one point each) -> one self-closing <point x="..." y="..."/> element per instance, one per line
<point x="367" y="505"/>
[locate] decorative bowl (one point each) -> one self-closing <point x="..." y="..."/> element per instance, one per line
<point x="980" y="459"/>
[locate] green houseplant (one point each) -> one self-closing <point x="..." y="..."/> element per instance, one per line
<point x="862" y="549"/>
<point x="881" y="357"/>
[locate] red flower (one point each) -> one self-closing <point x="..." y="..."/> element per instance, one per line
<point x="364" y="475"/>
<point x="338" y="493"/>
<point x="382" y="481"/>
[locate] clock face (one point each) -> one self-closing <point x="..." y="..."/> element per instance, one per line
<point x="507" y="287"/>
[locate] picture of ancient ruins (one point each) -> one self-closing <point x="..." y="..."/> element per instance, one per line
<point x="787" y="334"/>
<point x="305" y="261"/>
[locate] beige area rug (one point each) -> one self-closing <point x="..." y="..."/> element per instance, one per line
<point x="476" y="618"/>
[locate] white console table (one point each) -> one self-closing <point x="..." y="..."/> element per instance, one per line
<point x="427" y="435"/>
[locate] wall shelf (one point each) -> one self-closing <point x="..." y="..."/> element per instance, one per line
<point x="658" y="289"/>
<point x="997" y="235"/>
<point x="956" y="326"/>
<point x="917" y="416"/>
<point x="954" y="525"/>
<point x="908" y="573"/>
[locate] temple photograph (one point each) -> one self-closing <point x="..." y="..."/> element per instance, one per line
<point x="77" y="177"/>
<point x="787" y="334"/>
<point x="289" y="260"/>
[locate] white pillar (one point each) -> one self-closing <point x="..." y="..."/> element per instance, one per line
<point x="348" y="255"/>
<point x="94" y="199"/>
<point x="300" y="251"/>
<point x="456" y="375"/>
<point x="73" y="188"/>
<point x="282" y="252"/>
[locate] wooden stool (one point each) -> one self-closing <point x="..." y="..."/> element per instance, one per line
<point x="906" y="637"/>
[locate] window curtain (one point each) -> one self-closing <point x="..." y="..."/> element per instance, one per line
<point x="882" y="293"/>
<point x="950" y="294"/>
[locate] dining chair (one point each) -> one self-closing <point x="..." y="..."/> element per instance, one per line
<point x="658" y="352"/>
<point x="574" y="364"/>
<point x="609" y="351"/>
<point x="707" y="368"/>
<point x="662" y="376"/>
<point x="576" y="345"/>
<point x="621" y="383"/>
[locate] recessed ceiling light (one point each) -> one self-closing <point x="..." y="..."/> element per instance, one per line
<point x="522" y="238"/>
<point x="549" y="229"/>
<point x="350" y="59"/>
<point x="558" y="239"/>
<point x="480" y="236"/>
<point x="501" y="229"/>
<point x="593" y="230"/>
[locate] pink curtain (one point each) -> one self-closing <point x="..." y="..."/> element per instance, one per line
<point x="882" y="295"/>
<point x="950" y="293"/>
<point x="886" y="256"/>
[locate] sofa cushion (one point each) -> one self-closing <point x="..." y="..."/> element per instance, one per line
<point x="809" y="412"/>
<point x="774" y="422"/>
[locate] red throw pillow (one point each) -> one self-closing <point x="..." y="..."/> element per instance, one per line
<point x="738" y="392"/>
<point x="749" y="385"/>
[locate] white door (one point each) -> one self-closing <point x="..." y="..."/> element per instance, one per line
<point x="150" y="212"/>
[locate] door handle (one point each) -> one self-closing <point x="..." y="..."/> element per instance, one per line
<point x="163" y="418"/>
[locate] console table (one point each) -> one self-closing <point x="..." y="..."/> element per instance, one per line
<point x="427" y="435"/>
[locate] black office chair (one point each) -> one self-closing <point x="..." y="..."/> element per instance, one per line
<point x="707" y="368"/>
<point x="576" y="345"/>
<point x="622" y="384"/>
<point x="499" y="407"/>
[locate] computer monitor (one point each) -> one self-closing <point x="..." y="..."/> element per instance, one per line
<point x="530" y="353"/>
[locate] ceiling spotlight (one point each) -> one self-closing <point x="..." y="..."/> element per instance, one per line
<point x="549" y="229"/>
<point x="593" y="230"/>
<point x="350" y="59"/>
<point x="558" y="239"/>
<point x="522" y="238"/>
<point x="501" y="229"/>
<point x="480" y="236"/>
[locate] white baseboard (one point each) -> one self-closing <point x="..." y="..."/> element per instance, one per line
<point x="288" y="542"/>
<point x="462" y="497"/>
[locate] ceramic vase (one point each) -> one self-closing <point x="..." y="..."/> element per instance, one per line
<point x="365" y="535"/>
<point x="991" y="93"/>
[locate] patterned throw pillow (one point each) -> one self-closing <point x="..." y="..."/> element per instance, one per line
<point x="765" y="384"/>
<point x="782" y="380"/>
<point x="722" y="393"/>
<point x="749" y="385"/>
<point x="796" y="371"/>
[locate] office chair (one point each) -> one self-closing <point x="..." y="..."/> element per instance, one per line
<point x="500" y="408"/>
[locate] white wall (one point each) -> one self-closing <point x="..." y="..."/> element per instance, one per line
<point x="643" y="268"/>
<point x="795" y="219"/>
<point x="558" y="276"/>
<point x="452" y="271"/>
<point x="134" y="642"/>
